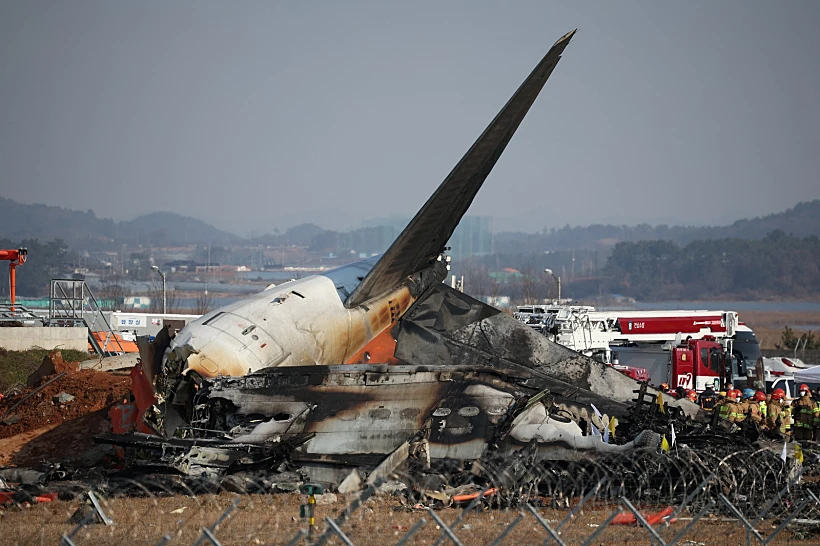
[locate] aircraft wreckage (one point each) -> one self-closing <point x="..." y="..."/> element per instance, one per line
<point x="345" y="368"/>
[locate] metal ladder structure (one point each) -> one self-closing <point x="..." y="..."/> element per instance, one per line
<point x="71" y="303"/>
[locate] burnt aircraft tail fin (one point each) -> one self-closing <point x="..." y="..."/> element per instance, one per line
<point x="425" y="236"/>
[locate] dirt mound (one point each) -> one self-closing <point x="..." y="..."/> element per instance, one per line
<point x="71" y="442"/>
<point x="53" y="363"/>
<point x="91" y="391"/>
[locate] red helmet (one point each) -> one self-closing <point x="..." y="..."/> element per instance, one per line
<point x="778" y="394"/>
<point x="804" y="387"/>
<point x="734" y="393"/>
<point x="692" y="395"/>
<point x="759" y="396"/>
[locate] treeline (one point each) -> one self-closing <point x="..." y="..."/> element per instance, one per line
<point x="778" y="265"/>
<point x="802" y="220"/>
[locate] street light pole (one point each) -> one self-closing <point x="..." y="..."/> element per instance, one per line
<point x="557" y="280"/>
<point x="165" y="301"/>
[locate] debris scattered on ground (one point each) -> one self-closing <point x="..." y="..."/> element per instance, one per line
<point x="326" y="498"/>
<point x="63" y="398"/>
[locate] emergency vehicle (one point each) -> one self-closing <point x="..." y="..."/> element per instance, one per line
<point x="649" y="339"/>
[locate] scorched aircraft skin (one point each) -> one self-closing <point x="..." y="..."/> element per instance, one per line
<point x="348" y="366"/>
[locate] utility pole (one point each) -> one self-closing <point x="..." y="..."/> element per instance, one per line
<point x="165" y="301"/>
<point x="557" y="280"/>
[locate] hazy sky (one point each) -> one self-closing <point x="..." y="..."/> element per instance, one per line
<point x="255" y="115"/>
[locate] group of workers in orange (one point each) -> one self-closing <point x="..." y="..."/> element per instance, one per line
<point x="799" y="419"/>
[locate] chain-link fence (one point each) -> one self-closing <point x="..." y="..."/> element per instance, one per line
<point x="679" y="497"/>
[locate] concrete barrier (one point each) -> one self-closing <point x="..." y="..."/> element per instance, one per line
<point x="110" y="363"/>
<point x="23" y="339"/>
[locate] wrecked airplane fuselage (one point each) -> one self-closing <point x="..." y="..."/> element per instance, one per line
<point x="291" y="372"/>
<point x="298" y="323"/>
<point x="370" y="410"/>
<point x="356" y="415"/>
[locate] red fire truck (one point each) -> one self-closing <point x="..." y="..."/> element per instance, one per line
<point x="696" y="363"/>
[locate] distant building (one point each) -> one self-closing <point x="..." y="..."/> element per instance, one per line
<point x="508" y="274"/>
<point x="473" y="237"/>
<point x="368" y="240"/>
<point x="497" y="301"/>
<point x="137" y="302"/>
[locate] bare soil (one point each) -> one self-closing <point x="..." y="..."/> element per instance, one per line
<point x="92" y="391"/>
<point x="47" y="430"/>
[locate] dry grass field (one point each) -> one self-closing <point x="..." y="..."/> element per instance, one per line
<point x="274" y="519"/>
<point x="768" y="325"/>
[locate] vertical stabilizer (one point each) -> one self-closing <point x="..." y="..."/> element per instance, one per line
<point x="425" y="236"/>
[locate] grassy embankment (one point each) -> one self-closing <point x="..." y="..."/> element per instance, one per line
<point x="15" y="366"/>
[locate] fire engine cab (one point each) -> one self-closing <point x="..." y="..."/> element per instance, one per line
<point x="698" y="363"/>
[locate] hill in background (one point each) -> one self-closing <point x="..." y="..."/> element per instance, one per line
<point x="85" y="231"/>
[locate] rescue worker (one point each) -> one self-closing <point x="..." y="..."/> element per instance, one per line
<point x="708" y="399"/>
<point x="724" y="407"/>
<point x="778" y="413"/>
<point x="737" y="411"/>
<point x="753" y="407"/>
<point x="692" y="396"/>
<point x="761" y="399"/>
<point x="748" y="394"/>
<point x="803" y="410"/>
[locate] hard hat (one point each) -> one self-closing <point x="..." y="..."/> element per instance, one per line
<point x="692" y="395"/>
<point x="804" y="387"/>
<point x="736" y="393"/>
<point x="778" y="394"/>
<point x="748" y="393"/>
<point x="760" y="396"/>
<point x="722" y="393"/>
<point x="664" y="386"/>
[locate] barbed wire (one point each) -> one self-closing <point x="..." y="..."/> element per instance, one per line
<point x="685" y="496"/>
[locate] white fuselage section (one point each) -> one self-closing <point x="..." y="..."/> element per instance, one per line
<point x="298" y="323"/>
